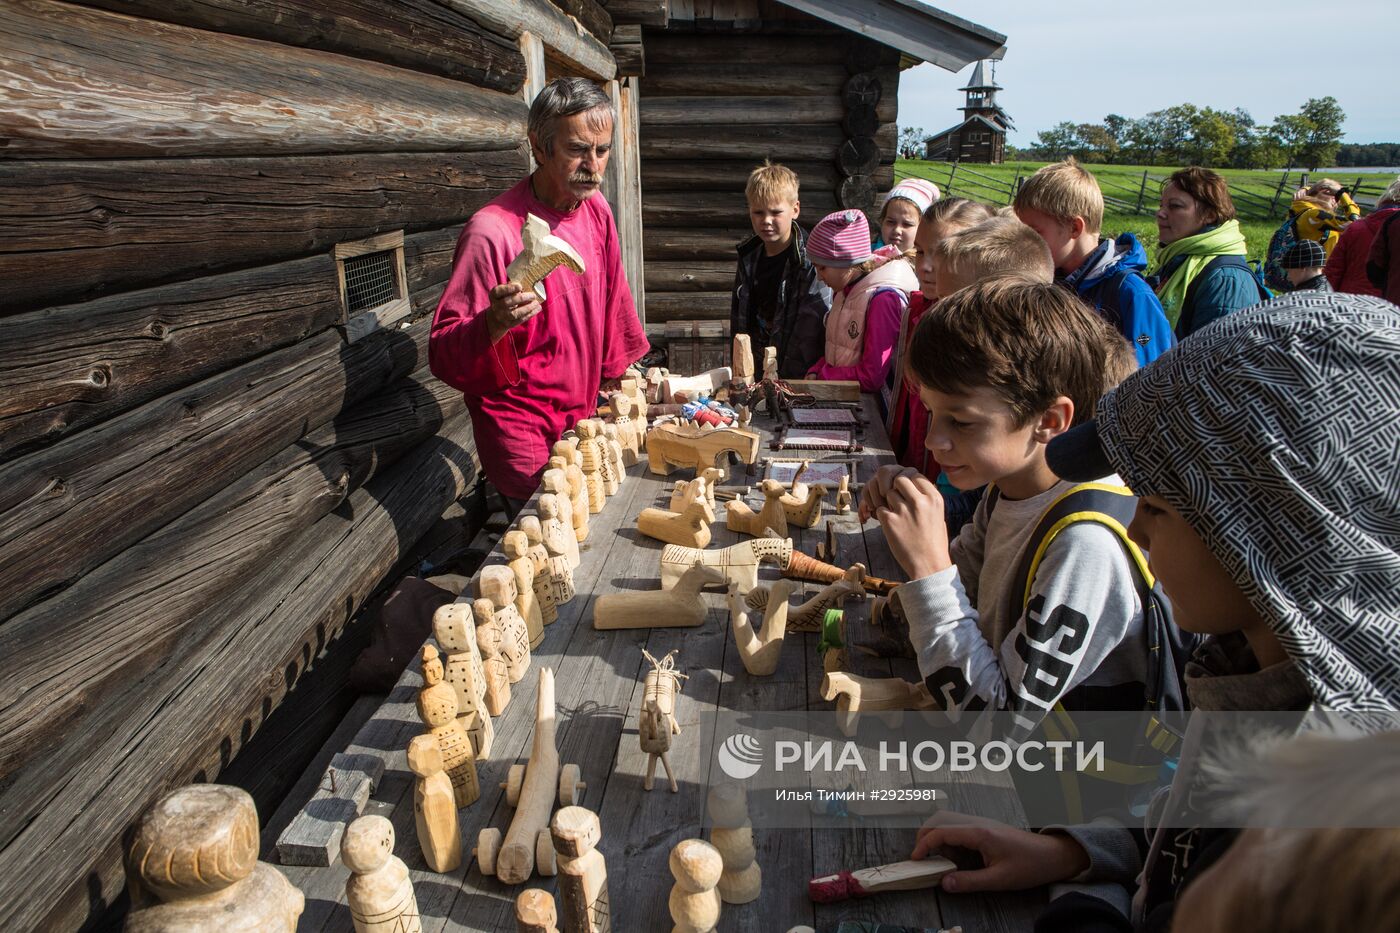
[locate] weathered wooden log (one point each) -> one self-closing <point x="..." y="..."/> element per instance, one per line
<point x="887" y="138"/>
<point x="858" y="192"/>
<point x="813" y="79"/>
<point x="580" y="52"/>
<point x="733" y="175"/>
<point x="859" y="155"/>
<point x="862" y="90"/>
<point x="690" y="276"/>
<point x="138" y="602"/>
<point x="628" y="51"/>
<point x="864" y="54"/>
<point x="734" y="111"/>
<point x="62" y="817"/>
<point x="591" y="14"/>
<point x="861" y="120"/>
<point x="718" y="208"/>
<point x="418" y="34"/>
<point x="642" y="12"/>
<point x="69" y="507"/>
<point x="152" y="89"/>
<point x="688" y="306"/>
<point x="101" y="222"/>
<point x="779" y="141"/>
<point x="674" y="47"/>
<point x="687" y="244"/>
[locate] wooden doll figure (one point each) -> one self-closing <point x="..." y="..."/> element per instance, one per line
<point x="493" y="663"/>
<point x="592" y="465"/>
<point x="437" y="707"/>
<point x="535" y="912"/>
<point x="578" y="486"/>
<point x="514" y="643"/>
<point x="534" y="534"/>
<point x="561" y="575"/>
<point x="621" y="407"/>
<point x="696" y="866"/>
<point x="557" y="482"/>
<point x="615" y="452"/>
<point x="611" y="481"/>
<point x="455" y="631"/>
<point x="434" y="806"/>
<point x="379" y="890"/>
<point x="583" y="874"/>
<point x="732" y="835"/>
<point x="540" y="600"/>
<point x="500" y="584"/>
<point x="177" y="841"/>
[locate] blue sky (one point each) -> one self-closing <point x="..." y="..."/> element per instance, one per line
<point x="1081" y="61"/>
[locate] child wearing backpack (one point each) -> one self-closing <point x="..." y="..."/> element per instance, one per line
<point x="1064" y="204"/>
<point x="871" y="290"/>
<point x="1004" y="366"/>
<point x="1254" y="527"/>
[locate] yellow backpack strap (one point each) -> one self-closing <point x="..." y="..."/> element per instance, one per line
<point x="1102" y="503"/>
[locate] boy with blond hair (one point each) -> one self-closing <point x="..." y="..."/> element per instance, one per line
<point x="1004" y="366"/>
<point x="778" y="299"/>
<point x="999" y="246"/>
<point x="1063" y="203"/>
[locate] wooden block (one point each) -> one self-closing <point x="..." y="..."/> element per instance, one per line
<point x="670" y="446"/>
<point x="827" y="390"/>
<point x="313" y="837"/>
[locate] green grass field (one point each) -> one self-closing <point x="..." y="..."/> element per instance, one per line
<point x="1253" y="191"/>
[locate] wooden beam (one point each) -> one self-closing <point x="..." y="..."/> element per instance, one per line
<point x="630" y="213"/>
<point x="779" y="141"/>
<point x="628" y="50"/>
<point x="816" y="79"/>
<point x="420" y="34"/>
<point x="721" y="208"/>
<point x="947" y="41"/>
<point x="69" y="507"/>
<point x="689" y="243"/>
<point x="581" y="51"/>
<point x="689" y="306"/>
<point x="680" y="48"/>
<point x="92" y="83"/>
<point x="591" y="14"/>
<point x="639" y="12"/>
<point x="698" y="111"/>
<point x="733" y="175"/>
<point x="62" y="818"/>
<point x="695" y="276"/>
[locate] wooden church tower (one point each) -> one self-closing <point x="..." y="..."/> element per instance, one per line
<point x="981" y="137"/>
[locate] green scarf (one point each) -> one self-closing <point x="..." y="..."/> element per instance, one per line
<point x="1199" y="249"/>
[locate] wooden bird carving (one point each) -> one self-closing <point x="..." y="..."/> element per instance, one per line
<point x="542" y="252"/>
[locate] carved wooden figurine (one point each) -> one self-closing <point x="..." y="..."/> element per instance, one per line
<point x="607" y="469"/>
<point x="437" y="707"/>
<point x="898" y="876"/>
<point x="770" y="522"/>
<point x="621" y="406"/>
<point x="379" y="890"/>
<point x="542" y="251"/>
<point x="535" y="912"/>
<point x="745" y="417"/>
<point x="770" y="364"/>
<point x="533" y="586"/>
<point x="556" y="481"/>
<point x="583" y="874"/>
<point x="802" y="504"/>
<point x="689" y="388"/>
<point x="455" y="631"/>
<point x="694" y="902"/>
<point x="578" y="485"/>
<point x="843" y="496"/>
<point x="531" y="789"/>
<point x="690" y="528"/>
<point x="678" y="607"/>
<point x="732" y="836"/>
<point x="743" y="359"/>
<point x="177" y="841"/>
<point x="854" y="694"/>
<point x="592" y="465"/>
<point x="434" y="806"/>
<point x="657" y="722"/>
<point x="686" y="491"/>
<point x="561" y="575"/>
<point x="493" y="663"/>
<point x="515" y="637"/>
<point x="515" y="605"/>
<point x="802" y="567"/>
<point x="616" y="452"/>
<point x="808" y="616"/>
<point x="738" y="562"/>
<point x="672" y="445"/>
<point x="759" y="651"/>
<point x="534" y="534"/>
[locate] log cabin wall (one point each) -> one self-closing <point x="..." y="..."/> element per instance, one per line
<point x="726" y="86"/>
<point x="202" y="477"/>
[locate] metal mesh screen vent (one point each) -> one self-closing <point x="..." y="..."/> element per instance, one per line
<point x="369" y="281"/>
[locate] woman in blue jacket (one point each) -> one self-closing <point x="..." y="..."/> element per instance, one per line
<point x="1202" y="273"/>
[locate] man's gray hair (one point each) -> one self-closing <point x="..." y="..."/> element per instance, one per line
<point x="564" y="97"/>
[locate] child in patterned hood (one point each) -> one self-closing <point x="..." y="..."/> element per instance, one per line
<point x="1266" y="454"/>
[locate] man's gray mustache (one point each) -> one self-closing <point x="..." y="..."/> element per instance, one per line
<point x="585" y="178"/>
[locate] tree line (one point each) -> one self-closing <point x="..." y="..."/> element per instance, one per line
<point x="1191" y="135"/>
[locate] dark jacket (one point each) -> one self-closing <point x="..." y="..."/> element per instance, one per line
<point x="1110" y="280"/>
<point x="1383" y="262"/>
<point x="803" y="303"/>
<point x="1317" y="283"/>
<point x="1213" y="294"/>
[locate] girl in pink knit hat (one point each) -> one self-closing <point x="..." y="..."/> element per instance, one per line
<point x="902" y="210"/>
<point x="871" y="292"/>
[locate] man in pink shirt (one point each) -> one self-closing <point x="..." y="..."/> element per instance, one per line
<point x="529" y="370"/>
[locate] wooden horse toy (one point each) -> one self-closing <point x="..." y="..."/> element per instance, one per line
<point x="738" y="563"/>
<point x="690" y="528"/>
<point x="855" y="694"/>
<point x="685" y="492"/>
<point x="759" y="651"/>
<point x="773" y="518"/>
<point x="808" y="616"/>
<point x="672" y="445"/>
<point x="678" y="607"/>
<point x="657" y="722"/>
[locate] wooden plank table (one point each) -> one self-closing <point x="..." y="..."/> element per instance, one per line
<point x="598" y="683"/>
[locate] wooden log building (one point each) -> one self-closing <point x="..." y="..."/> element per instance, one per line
<point x="226" y="226"/>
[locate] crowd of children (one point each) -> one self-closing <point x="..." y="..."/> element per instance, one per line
<point x="1081" y="445"/>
